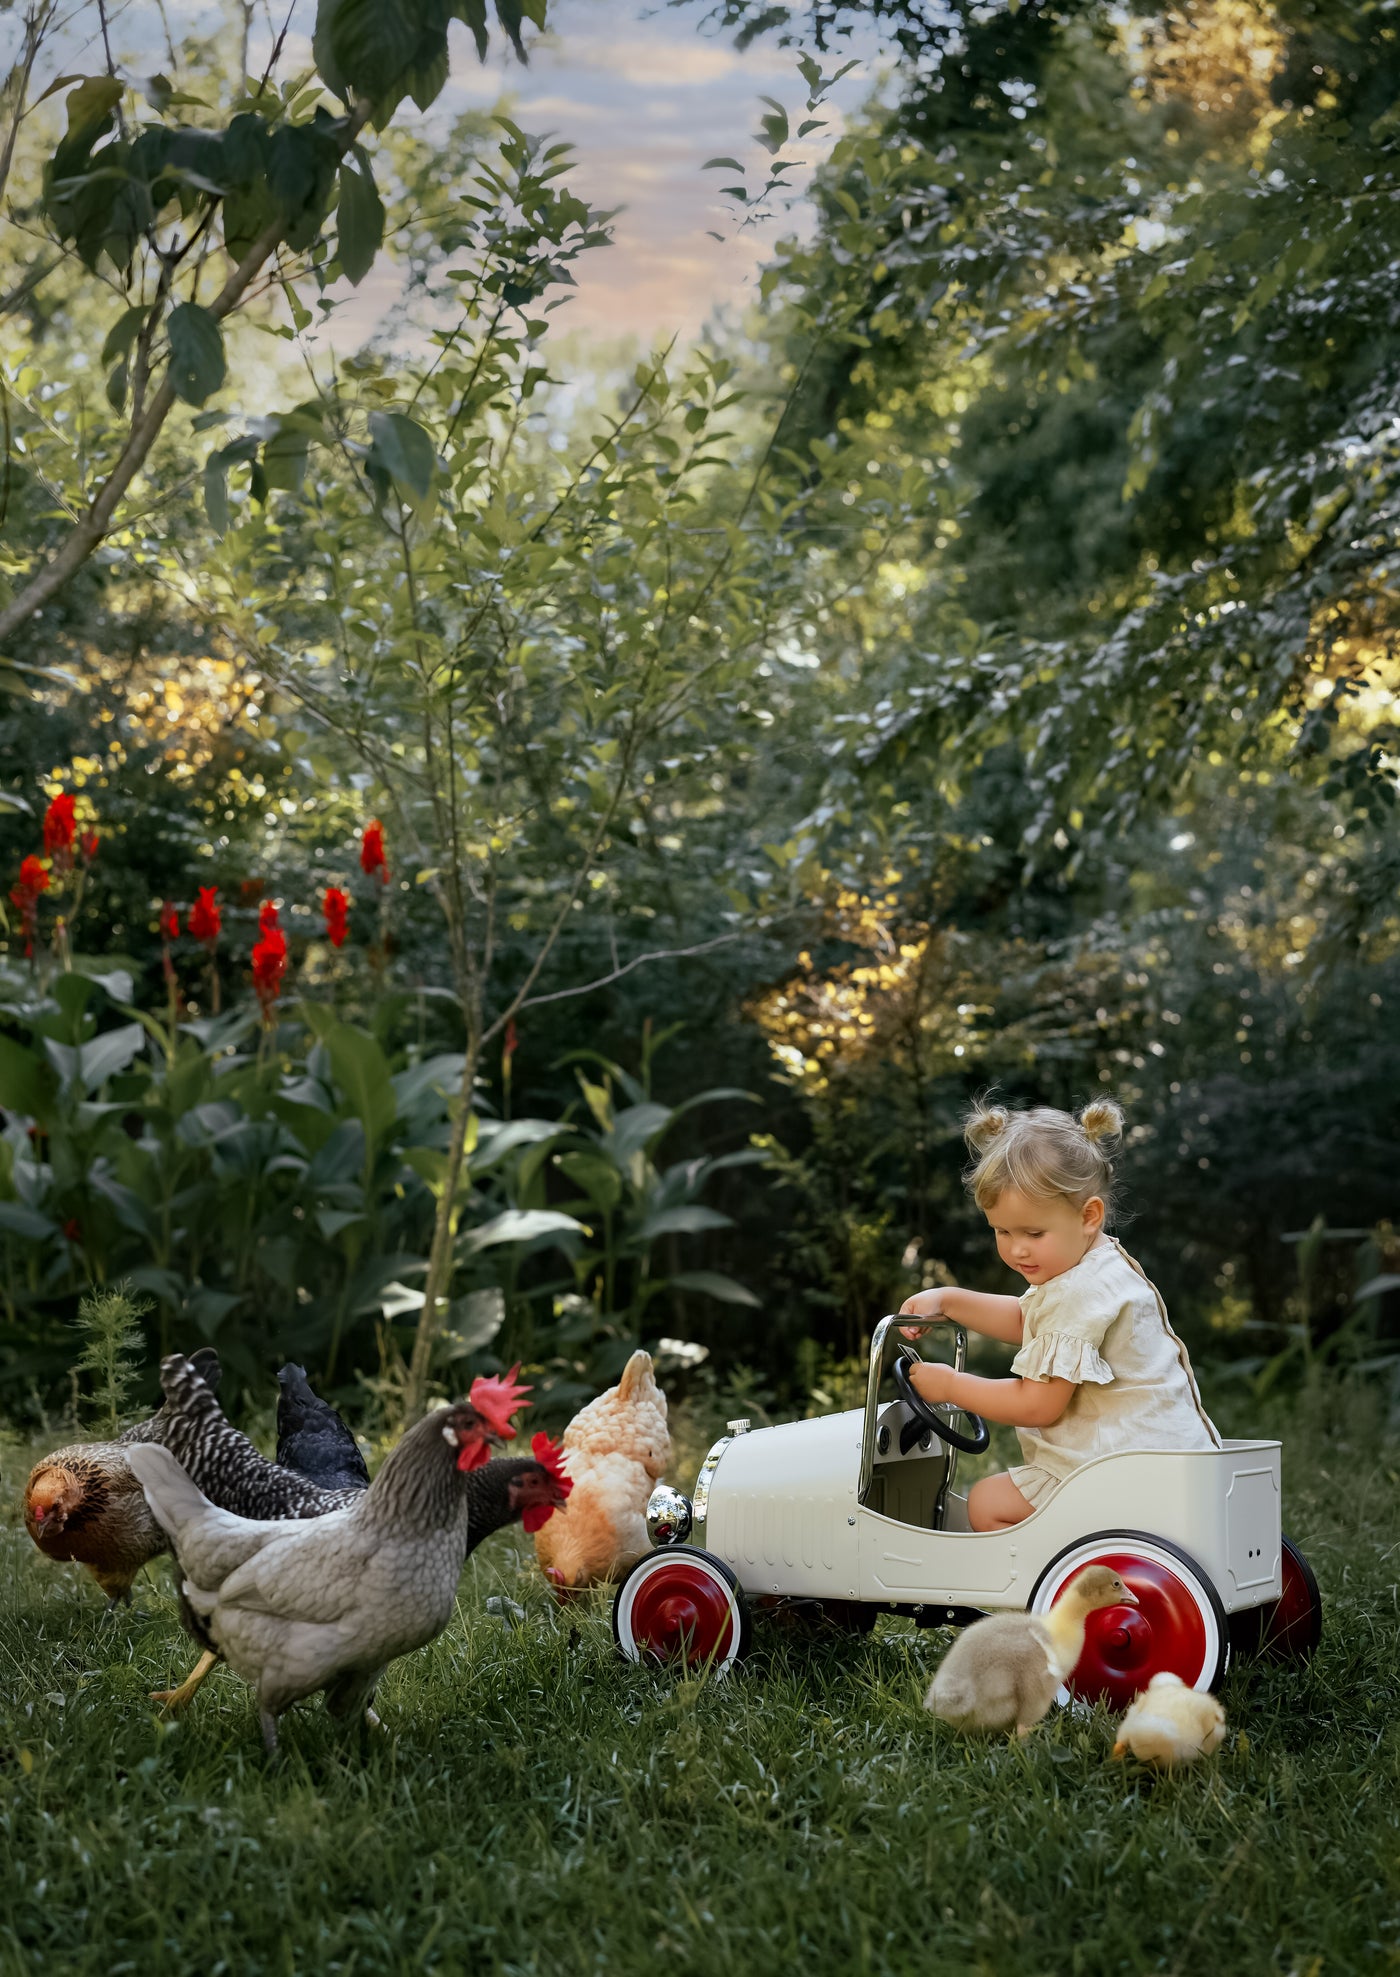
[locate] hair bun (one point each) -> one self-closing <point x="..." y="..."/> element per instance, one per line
<point x="1101" y="1119"/>
<point x="984" y="1124"/>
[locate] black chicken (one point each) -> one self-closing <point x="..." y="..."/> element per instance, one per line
<point x="313" y="1439"/>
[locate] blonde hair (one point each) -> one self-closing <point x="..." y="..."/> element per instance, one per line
<point x="1042" y="1152"/>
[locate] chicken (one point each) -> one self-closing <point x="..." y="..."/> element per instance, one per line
<point x="617" y="1447"/>
<point x="242" y="1480"/>
<point x="313" y="1439"/>
<point x="326" y="1603"/>
<point x="1002" y="1672"/>
<point x="82" y="1503"/>
<point x="1169" y="1724"/>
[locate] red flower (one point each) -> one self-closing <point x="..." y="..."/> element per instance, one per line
<point x="268" y="920"/>
<point x="60" y="824"/>
<point x="372" y="857"/>
<point x="33" y="879"/>
<point x="169" y="922"/>
<point x="269" y="962"/>
<point x="510" y="1043"/>
<point x="88" y="844"/>
<point x="206" y="919"/>
<point x="72" y="1233"/>
<point x="337" y="910"/>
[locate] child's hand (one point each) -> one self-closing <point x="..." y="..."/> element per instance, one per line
<point x="923" y="1304"/>
<point x="932" y="1381"/>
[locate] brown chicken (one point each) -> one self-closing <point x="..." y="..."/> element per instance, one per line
<point x="83" y="1504"/>
<point x="616" y="1447"/>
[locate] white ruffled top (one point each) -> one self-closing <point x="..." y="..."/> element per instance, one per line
<point x="1104" y="1326"/>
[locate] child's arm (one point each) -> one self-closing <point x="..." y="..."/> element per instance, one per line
<point x="1018" y="1403"/>
<point x="980" y="1311"/>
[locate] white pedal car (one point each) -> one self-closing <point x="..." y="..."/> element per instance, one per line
<point x="855" y="1514"/>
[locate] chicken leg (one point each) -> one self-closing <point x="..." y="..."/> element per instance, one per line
<point x="175" y="1699"/>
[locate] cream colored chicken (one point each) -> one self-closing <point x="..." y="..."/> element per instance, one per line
<point x="1004" y="1671"/>
<point x="616" y="1448"/>
<point x="1169" y="1724"/>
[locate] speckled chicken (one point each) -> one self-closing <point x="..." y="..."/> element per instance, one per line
<point x="1003" y="1672"/>
<point x="1169" y="1724"/>
<point x="616" y="1447"/>
<point x="82" y="1503"/>
<point x="326" y="1603"/>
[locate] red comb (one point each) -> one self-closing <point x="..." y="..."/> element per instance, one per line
<point x="550" y="1456"/>
<point x="496" y="1399"/>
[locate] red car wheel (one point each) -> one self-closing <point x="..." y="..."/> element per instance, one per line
<point x="680" y="1604"/>
<point x="1178" y="1624"/>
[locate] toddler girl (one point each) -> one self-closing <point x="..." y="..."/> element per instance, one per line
<point x="1099" y="1368"/>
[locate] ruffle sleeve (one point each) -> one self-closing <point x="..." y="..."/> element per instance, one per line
<point x="1059" y="1356"/>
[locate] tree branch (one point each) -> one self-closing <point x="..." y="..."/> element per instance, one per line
<point x="97" y="522"/>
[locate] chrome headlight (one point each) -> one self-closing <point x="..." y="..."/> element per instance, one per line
<point x="668" y="1516"/>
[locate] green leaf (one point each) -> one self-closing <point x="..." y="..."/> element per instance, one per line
<point x="689" y="1220"/>
<point x="197" y="365"/>
<point x="362" y="47"/>
<point x="473" y="1321"/>
<point x="26" y="1082"/>
<point x="216" y="492"/>
<point x="714" y="1283"/>
<point x="360" y="216"/>
<point x="362" y="1073"/>
<point x="522" y="1225"/>
<point x="403" y="450"/>
<point x="26" y="1222"/>
<point x="122" y="335"/>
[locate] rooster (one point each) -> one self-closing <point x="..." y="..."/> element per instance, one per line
<point x="232" y="1473"/>
<point x="326" y="1603"/>
<point x="83" y="1504"/>
<point x="617" y="1447"/>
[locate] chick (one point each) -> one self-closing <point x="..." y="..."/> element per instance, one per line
<point x="1002" y="1673"/>
<point x="1170" y="1724"/>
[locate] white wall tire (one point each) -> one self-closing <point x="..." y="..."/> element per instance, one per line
<point x="681" y="1604"/>
<point x="1179" y="1624"/>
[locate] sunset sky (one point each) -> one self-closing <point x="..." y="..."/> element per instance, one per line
<point x="645" y="92"/>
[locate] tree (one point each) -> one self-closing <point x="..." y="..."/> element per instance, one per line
<point x="240" y="197"/>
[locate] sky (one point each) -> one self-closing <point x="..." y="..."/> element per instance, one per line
<point x="644" y="91"/>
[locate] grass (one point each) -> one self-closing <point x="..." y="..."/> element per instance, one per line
<point x="535" y="1806"/>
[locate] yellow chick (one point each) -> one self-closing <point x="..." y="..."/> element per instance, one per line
<point x="1170" y="1724"/>
<point x="1003" y="1672"/>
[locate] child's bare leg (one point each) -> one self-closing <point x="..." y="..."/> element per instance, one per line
<point x="995" y="1504"/>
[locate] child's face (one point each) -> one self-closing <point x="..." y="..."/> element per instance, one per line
<point x="1040" y="1237"/>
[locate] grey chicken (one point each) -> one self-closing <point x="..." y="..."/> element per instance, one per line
<point x="326" y="1603"/>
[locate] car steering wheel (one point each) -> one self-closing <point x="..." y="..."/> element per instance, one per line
<point x="925" y="1414"/>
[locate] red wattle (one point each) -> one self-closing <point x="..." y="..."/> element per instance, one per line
<point x="473" y="1455"/>
<point x="537" y="1516"/>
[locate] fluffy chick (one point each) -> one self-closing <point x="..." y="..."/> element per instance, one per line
<point x="617" y="1448"/>
<point x="1170" y="1724"/>
<point x="1002" y="1672"/>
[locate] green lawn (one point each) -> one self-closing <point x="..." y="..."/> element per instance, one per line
<point x="535" y="1806"/>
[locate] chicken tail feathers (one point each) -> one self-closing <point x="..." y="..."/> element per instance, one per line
<point x="174" y="1499"/>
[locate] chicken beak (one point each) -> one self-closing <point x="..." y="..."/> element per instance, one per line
<point x="1129" y="1598"/>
